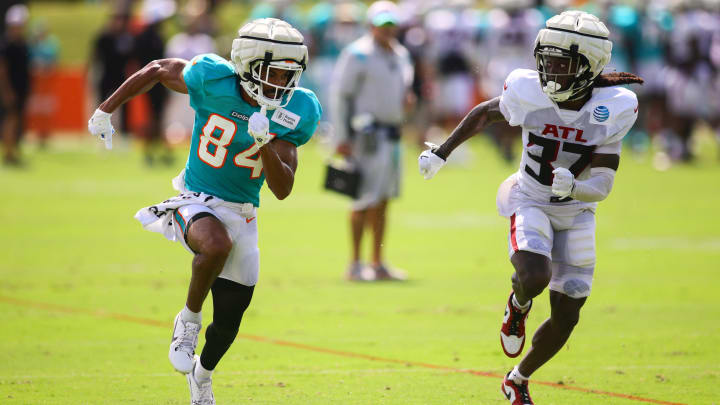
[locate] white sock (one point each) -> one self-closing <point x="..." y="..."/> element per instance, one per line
<point x="189" y="316"/>
<point x="201" y="374"/>
<point x="517" y="305"/>
<point x="517" y="377"/>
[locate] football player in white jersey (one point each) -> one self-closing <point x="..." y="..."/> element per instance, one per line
<point x="573" y="119"/>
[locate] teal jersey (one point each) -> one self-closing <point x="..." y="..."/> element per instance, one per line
<point x="224" y="160"/>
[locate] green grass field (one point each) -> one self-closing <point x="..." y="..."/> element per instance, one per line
<point x="87" y="297"/>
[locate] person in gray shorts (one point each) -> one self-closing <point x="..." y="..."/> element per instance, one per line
<point x="369" y="93"/>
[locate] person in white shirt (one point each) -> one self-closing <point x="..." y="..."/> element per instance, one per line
<point x="573" y="119"/>
<point x="369" y="93"/>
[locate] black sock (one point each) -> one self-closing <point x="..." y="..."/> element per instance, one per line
<point x="230" y="300"/>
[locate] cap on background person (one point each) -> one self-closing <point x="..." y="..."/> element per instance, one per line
<point x="383" y="13"/>
<point x="17" y="15"/>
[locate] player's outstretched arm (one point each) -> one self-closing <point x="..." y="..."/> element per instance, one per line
<point x="279" y="160"/>
<point x="478" y="118"/>
<point x="484" y="114"/>
<point x="165" y="71"/>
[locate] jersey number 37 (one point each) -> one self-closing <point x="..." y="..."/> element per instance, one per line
<point x="550" y="149"/>
<point x="213" y="149"/>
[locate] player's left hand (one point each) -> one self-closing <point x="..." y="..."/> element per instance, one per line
<point x="259" y="127"/>
<point x="430" y="163"/>
<point x="99" y="125"/>
<point x="563" y="182"/>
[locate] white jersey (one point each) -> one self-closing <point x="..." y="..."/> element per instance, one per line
<point x="555" y="138"/>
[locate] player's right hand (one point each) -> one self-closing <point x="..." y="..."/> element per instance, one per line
<point x="563" y="182"/>
<point x="99" y="125"/>
<point x="259" y="127"/>
<point x="429" y="162"/>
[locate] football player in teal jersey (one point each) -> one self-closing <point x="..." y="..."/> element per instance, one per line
<point x="235" y="147"/>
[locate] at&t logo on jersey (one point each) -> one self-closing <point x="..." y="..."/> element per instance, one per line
<point x="601" y="113"/>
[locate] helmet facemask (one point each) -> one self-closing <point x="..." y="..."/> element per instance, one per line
<point x="265" y="82"/>
<point x="564" y="74"/>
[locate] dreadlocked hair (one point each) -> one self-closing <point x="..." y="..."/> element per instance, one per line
<point x="617" y="79"/>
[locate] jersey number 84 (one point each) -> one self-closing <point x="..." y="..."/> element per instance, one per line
<point x="218" y="145"/>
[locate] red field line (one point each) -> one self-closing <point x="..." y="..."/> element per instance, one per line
<point x="152" y="322"/>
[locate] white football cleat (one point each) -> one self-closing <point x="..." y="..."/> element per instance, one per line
<point x="200" y="392"/>
<point x="517" y="394"/>
<point x="182" y="346"/>
<point x="512" y="332"/>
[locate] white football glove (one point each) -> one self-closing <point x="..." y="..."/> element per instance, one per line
<point x="563" y="182"/>
<point x="259" y="127"/>
<point x="429" y="162"/>
<point x="99" y="125"/>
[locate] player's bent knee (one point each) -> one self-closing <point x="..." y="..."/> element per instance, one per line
<point x="532" y="273"/>
<point x="531" y="284"/>
<point x="210" y="238"/>
<point x="218" y="246"/>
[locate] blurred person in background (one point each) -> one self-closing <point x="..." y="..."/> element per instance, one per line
<point x="235" y="147"/>
<point x="656" y="28"/>
<point x="149" y="45"/>
<point x="370" y="91"/>
<point x="549" y="8"/>
<point x="331" y="27"/>
<point x="112" y="50"/>
<point x="508" y="44"/>
<point x="451" y="30"/>
<point x="14" y="82"/>
<point x="415" y="37"/>
<point x="44" y="54"/>
<point x="193" y="39"/>
<point x="286" y="10"/>
<point x="692" y="86"/>
<point x="713" y="7"/>
<point x="573" y="120"/>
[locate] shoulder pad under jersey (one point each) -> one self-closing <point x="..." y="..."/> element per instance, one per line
<point x="522" y="94"/>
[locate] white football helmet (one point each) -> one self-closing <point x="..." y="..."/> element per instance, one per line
<point x="581" y="38"/>
<point x="264" y="44"/>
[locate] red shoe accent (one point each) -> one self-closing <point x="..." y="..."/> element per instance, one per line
<point x="517" y="394"/>
<point x="512" y="332"/>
